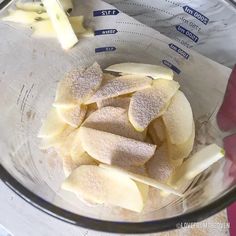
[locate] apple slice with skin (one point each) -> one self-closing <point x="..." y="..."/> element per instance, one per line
<point x="78" y="86"/>
<point x="119" y="86"/>
<point x="114" y="149"/>
<point x="196" y="164"/>
<point x="73" y="116"/>
<point x="178" y="119"/>
<point x="143" y="179"/>
<point x="52" y="125"/>
<point x="61" y="23"/>
<point x="149" y="104"/>
<point x="98" y="185"/>
<point x="113" y="120"/>
<point x="156" y="72"/>
<point x="24" y="17"/>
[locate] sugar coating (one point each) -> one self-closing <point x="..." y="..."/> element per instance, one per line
<point x="178" y="119"/>
<point x="113" y="120"/>
<point x="115" y="149"/>
<point x="122" y="102"/>
<point x="73" y="116"/>
<point x="148" y="104"/>
<point x="79" y="85"/>
<point x="119" y="86"/>
<point x="159" y="166"/>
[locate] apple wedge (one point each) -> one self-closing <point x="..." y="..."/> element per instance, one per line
<point x="149" y="104"/>
<point x="44" y="29"/>
<point x="156" y="72"/>
<point x="24" y="17"/>
<point x="181" y="151"/>
<point x="119" y="86"/>
<point x="78" y="86"/>
<point x="52" y="125"/>
<point x="160" y="166"/>
<point x="113" y="120"/>
<point x="115" y="149"/>
<point x="98" y="185"/>
<point x="178" y="119"/>
<point x="61" y="23"/>
<point x="197" y="163"/>
<point x="142" y="179"/>
<point x="73" y="116"/>
<point x="122" y="102"/>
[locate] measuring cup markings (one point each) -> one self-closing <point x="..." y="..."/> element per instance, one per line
<point x="106" y="12"/>
<point x="105" y="49"/>
<point x="196" y="14"/>
<point x="171" y="66"/>
<point x="184" y="43"/>
<point x="105" y="31"/>
<point x="179" y="50"/>
<point x="188" y="33"/>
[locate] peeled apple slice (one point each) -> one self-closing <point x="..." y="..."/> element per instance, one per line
<point x="45" y="29"/>
<point x="24" y="17"/>
<point x="160" y="167"/>
<point x="181" y="151"/>
<point x="119" y="86"/>
<point x="156" y="72"/>
<point x="113" y="120"/>
<point x="149" y="104"/>
<point x="98" y="185"/>
<point x="68" y="165"/>
<point x="30" y="6"/>
<point x="142" y="179"/>
<point x="122" y="102"/>
<point x="197" y="163"/>
<point x="178" y="119"/>
<point x="61" y="23"/>
<point x="39" y="7"/>
<point x="78" y="86"/>
<point x="157" y="132"/>
<point x="115" y="149"/>
<point x="84" y="159"/>
<point x="73" y="116"/>
<point x="52" y="125"/>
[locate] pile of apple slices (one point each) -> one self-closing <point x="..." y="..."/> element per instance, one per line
<point x="118" y="135"/>
<point x="49" y="19"/>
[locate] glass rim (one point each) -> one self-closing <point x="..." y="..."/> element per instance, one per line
<point x="153" y="226"/>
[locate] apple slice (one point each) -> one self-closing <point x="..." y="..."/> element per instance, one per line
<point x="73" y="116"/>
<point x="113" y="120"/>
<point x="84" y="159"/>
<point x="52" y="125"/>
<point x="45" y="29"/>
<point x="98" y="185"/>
<point x="30" y="6"/>
<point x="197" y="163"/>
<point x="156" y="72"/>
<point x="78" y="86"/>
<point x="68" y="165"/>
<point x="160" y="167"/>
<point x="24" y="17"/>
<point x="119" y="86"/>
<point x="39" y="7"/>
<point x="142" y="179"/>
<point x="181" y="151"/>
<point x="157" y="131"/>
<point x="122" y="102"/>
<point x="61" y="23"/>
<point x="178" y="119"/>
<point x="114" y="149"/>
<point x="149" y="104"/>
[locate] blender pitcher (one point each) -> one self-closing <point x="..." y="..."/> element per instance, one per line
<point x="29" y="72"/>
